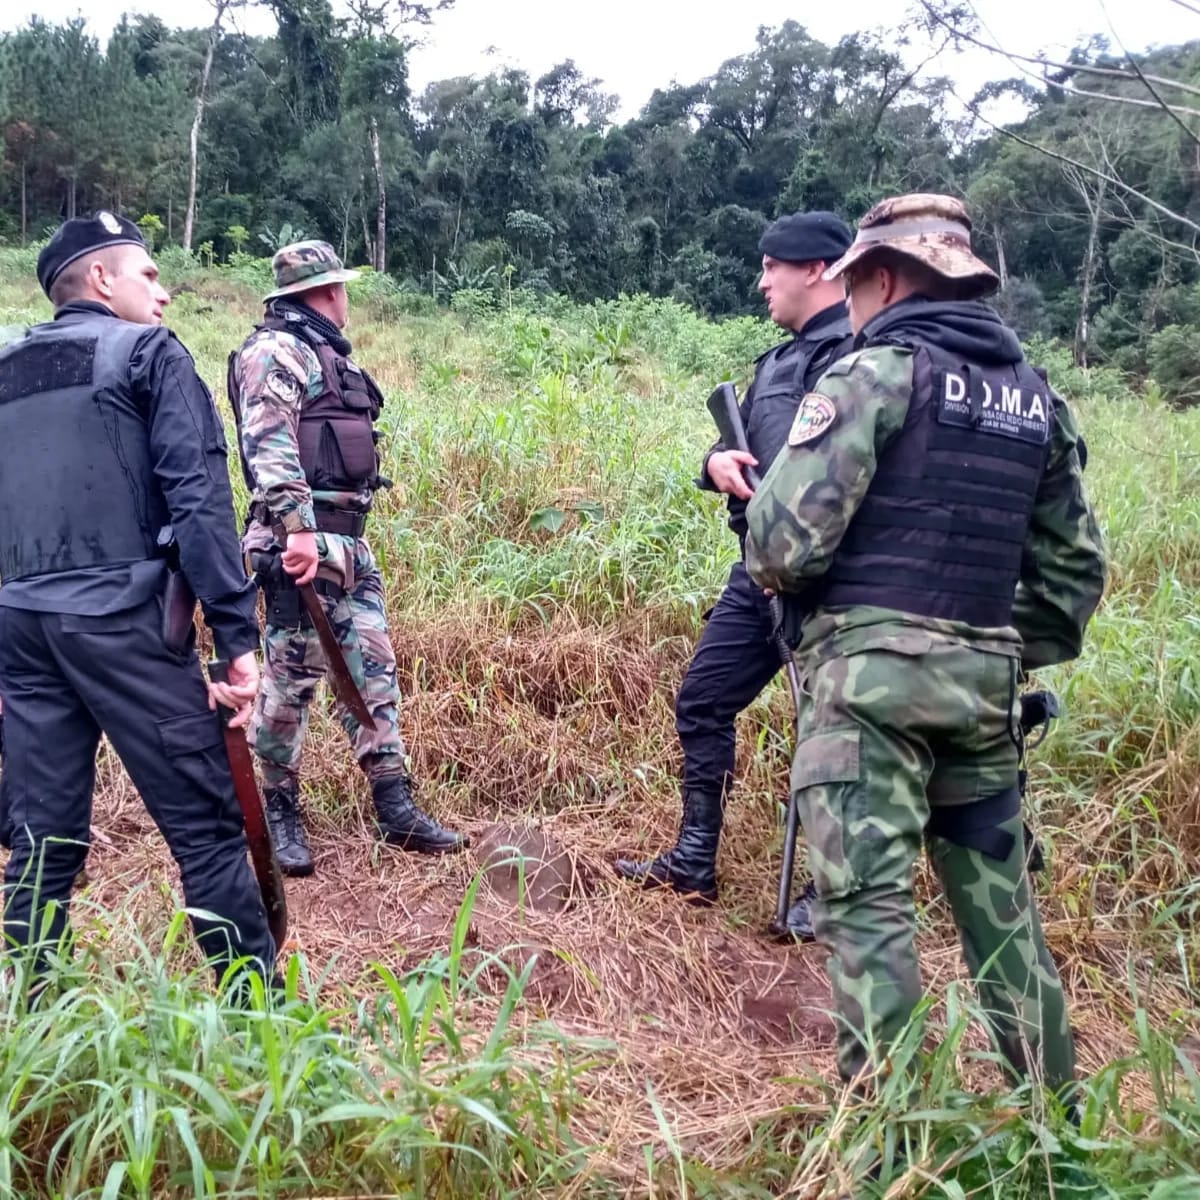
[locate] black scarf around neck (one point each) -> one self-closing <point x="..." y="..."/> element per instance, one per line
<point x="322" y="324"/>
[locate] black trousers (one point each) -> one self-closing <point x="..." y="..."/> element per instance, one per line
<point x="65" y="680"/>
<point x="734" y="660"/>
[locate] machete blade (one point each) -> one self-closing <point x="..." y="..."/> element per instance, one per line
<point x="340" y="679"/>
<point x="262" y="849"/>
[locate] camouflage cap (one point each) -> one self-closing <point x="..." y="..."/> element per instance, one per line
<point x="305" y="265"/>
<point x="932" y="229"/>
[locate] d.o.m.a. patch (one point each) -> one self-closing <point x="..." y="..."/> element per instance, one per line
<point x="815" y="415"/>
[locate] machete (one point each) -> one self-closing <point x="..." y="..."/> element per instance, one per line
<point x="723" y="407"/>
<point x="262" y="849"/>
<point x="340" y="678"/>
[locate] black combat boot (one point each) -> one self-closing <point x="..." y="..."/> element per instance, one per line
<point x="690" y="866"/>
<point x="405" y="825"/>
<point x="283" y="816"/>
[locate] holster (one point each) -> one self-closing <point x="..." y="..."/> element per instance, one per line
<point x="285" y="608"/>
<point x="179" y="601"/>
<point x="280" y="595"/>
<point x="977" y="825"/>
<point x="179" y="613"/>
<point x="1038" y="709"/>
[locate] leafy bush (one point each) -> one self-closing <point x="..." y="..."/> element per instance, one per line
<point x="1023" y="306"/>
<point x="372" y="285"/>
<point x="285" y="235"/>
<point x="20" y="261"/>
<point x="175" y="264"/>
<point x="1174" y="358"/>
<point x="251" y="270"/>
<point x="473" y="303"/>
<point x="152" y="229"/>
<point x="1075" y="382"/>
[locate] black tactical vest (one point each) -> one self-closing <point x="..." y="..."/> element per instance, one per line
<point x="336" y="438"/>
<point x="942" y="529"/>
<point x="779" y="385"/>
<point x="77" y="485"/>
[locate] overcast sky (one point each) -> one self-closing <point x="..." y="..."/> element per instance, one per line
<point x="634" y="46"/>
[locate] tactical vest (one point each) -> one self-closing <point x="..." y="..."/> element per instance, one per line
<point x="942" y="528"/>
<point x="780" y="384"/>
<point x="336" y="437"/>
<point x="77" y="485"/>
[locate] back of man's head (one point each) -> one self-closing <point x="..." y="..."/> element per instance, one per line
<point x="76" y="282"/>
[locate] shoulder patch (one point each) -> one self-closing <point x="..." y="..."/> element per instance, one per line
<point x="283" y="385"/>
<point x="815" y="415"/>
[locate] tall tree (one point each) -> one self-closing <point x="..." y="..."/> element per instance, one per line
<point x="220" y="8"/>
<point x="377" y="87"/>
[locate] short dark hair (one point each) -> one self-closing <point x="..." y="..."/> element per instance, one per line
<point x="69" y="284"/>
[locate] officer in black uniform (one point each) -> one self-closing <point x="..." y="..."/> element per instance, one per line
<point x="107" y="437"/>
<point x="736" y="657"/>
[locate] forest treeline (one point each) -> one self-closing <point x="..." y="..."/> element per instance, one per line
<point x="1089" y="206"/>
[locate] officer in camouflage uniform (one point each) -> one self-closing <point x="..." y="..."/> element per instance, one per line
<point x="305" y="416"/>
<point x="736" y="657"/>
<point x="932" y="485"/>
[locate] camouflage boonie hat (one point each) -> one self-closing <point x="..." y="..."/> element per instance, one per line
<point x="934" y="230"/>
<point x="305" y="265"/>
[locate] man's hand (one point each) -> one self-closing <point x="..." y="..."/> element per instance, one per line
<point x="300" y="557"/>
<point x="725" y="470"/>
<point x="239" y="691"/>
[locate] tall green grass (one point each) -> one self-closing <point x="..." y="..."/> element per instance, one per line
<point x="127" y="1076"/>
<point x="543" y="456"/>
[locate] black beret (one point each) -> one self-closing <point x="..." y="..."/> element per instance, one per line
<point x="73" y="239"/>
<point x="807" y="237"/>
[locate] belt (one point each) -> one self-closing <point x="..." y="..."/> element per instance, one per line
<point x="345" y="521"/>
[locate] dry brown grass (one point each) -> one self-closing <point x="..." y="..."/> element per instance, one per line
<point x="570" y="728"/>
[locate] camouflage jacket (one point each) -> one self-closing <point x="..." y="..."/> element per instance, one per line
<point x="277" y="373"/>
<point x="799" y="515"/>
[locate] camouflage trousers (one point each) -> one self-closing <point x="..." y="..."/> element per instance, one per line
<point x="889" y="738"/>
<point x="294" y="663"/>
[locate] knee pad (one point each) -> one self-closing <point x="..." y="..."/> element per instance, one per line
<point x="979" y="824"/>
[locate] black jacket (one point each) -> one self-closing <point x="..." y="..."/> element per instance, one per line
<point x="183" y="480"/>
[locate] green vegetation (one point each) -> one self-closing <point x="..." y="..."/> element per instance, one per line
<point x="482" y="186"/>
<point x="127" y="1079"/>
<point x="548" y="561"/>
